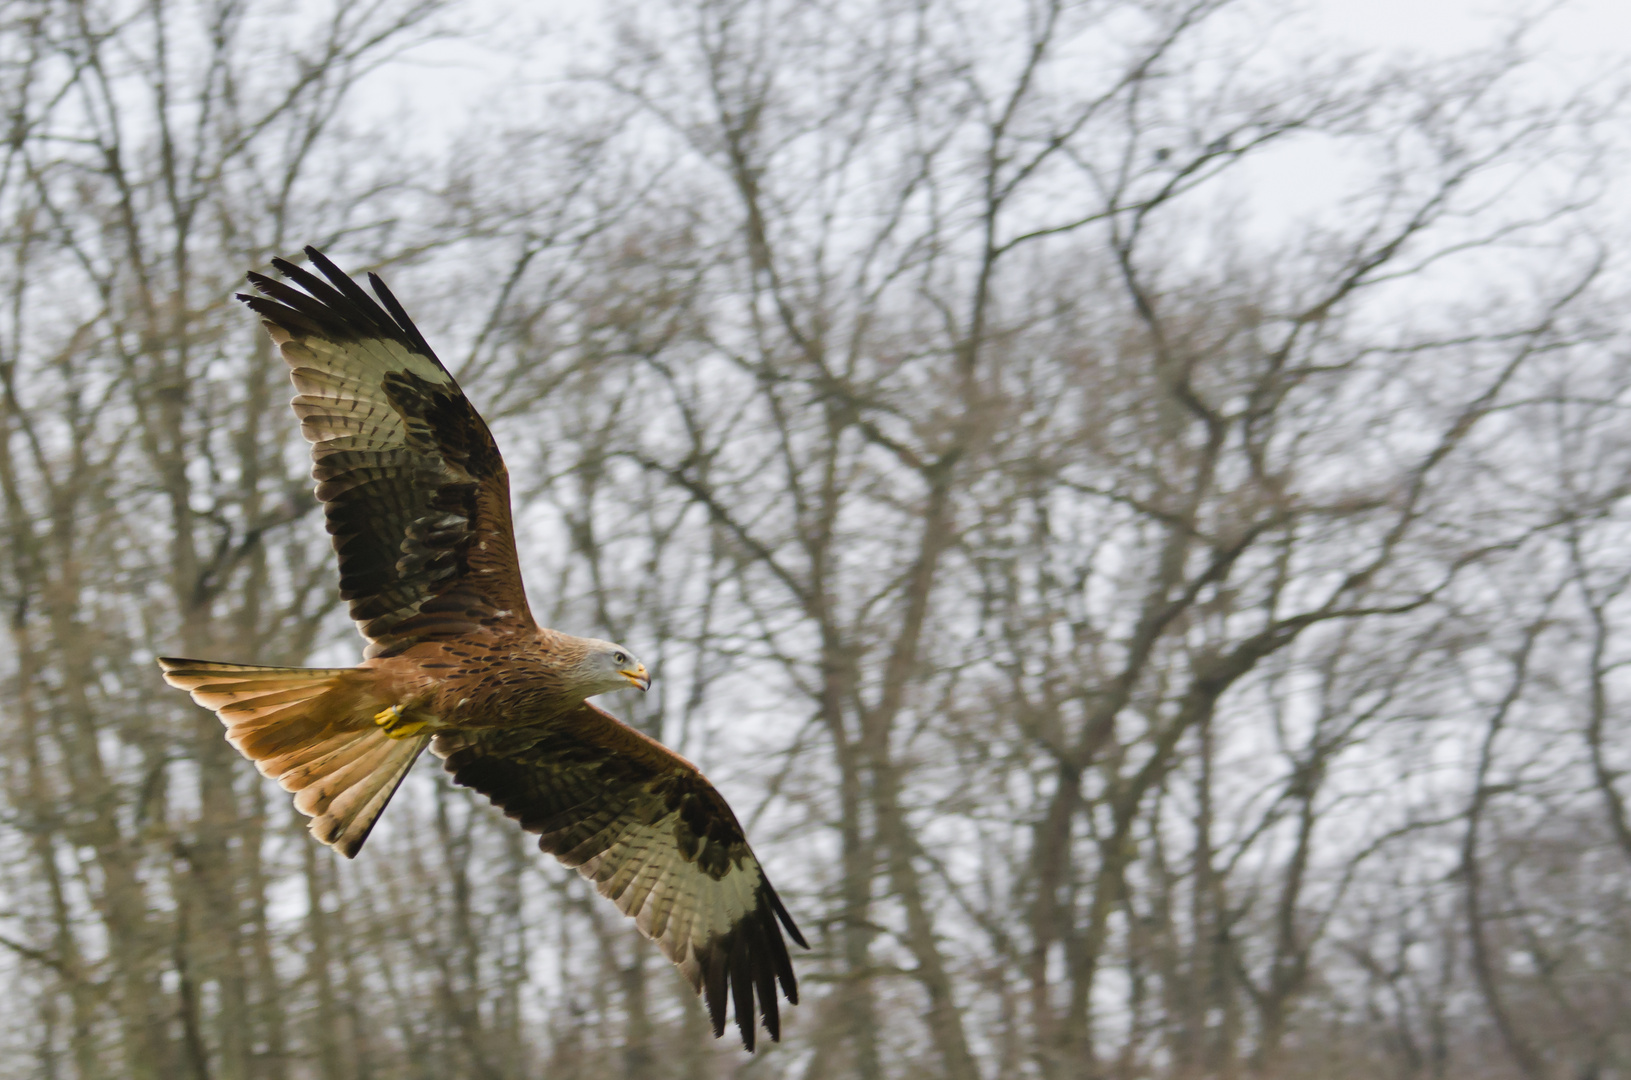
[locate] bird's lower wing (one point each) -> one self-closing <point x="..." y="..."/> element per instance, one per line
<point x="655" y="837"/>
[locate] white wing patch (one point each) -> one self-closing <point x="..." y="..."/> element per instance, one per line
<point x="341" y="401"/>
<point x="672" y="901"/>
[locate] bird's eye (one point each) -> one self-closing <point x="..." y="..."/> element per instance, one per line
<point x="621" y="658"/>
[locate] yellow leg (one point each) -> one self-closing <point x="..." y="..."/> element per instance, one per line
<point x="391" y="720"/>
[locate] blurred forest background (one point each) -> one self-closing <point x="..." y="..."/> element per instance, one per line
<point x="1156" y="617"/>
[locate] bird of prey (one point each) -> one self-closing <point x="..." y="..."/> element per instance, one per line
<point x="417" y="500"/>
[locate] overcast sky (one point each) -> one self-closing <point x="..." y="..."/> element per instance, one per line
<point x="1575" y="31"/>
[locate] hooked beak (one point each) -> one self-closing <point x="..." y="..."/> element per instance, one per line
<point x="637" y="675"/>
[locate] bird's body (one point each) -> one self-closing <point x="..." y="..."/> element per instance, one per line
<point x="483" y="681"/>
<point x="416" y="496"/>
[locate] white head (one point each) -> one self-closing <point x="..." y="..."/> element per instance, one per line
<point x="609" y="666"/>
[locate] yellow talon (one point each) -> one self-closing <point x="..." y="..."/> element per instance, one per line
<point x="391" y="720"/>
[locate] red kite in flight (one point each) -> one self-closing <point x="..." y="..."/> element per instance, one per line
<point x="417" y="499"/>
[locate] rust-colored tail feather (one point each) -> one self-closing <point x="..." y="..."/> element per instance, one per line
<point x="312" y="730"/>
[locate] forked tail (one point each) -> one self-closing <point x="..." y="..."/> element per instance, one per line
<point x="313" y="731"/>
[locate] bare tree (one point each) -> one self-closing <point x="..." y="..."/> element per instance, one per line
<point x="1010" y="476"/>
<point x="1149" y="638"/>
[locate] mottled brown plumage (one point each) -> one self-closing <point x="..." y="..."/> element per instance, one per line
<point x="416" y="497"/>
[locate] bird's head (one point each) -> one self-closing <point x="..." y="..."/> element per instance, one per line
<point x="608" y="666"/>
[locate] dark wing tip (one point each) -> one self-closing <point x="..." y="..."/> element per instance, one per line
<point x="338" y="308"/>
<point x="781" y="914"/>
<point x="713" y="987"/>
<point x="389" y="299"/>
<point x="322" y="262"/>
<point x="745" y="963"/>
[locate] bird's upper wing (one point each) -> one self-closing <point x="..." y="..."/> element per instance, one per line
<point x="654" y="836"/>
<point x="415" y="493"/>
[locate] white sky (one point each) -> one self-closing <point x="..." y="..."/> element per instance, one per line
<point x="1573" y="31"/>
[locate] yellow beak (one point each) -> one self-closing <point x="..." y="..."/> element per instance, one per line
<point x="637" y="675"/>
